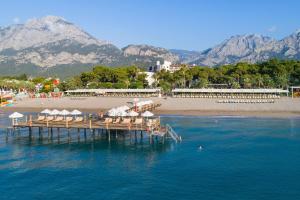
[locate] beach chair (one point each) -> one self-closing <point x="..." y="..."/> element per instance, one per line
<point x="41" y="118"/>
<point x="108" y="120"/>
<point x="126" y="121"/>
<point x="150" y="122"/>
<point x="58" y="119"/>
<point x="69" y="119"/>
<point x="138" y="121"/>
<point x="117" y="121"/>
<point x="78" y="119"/>
<point x="49" y="118"/>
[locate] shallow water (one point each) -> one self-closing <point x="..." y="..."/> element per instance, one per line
<point x="241" y="158"/>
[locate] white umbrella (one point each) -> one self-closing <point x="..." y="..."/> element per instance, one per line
<point x="112" y="112"/>
<point x="147" y="114"/>
<point x="54" y="112"/>
<point x="132" y="114"/>
<point x="46" y="111"/>
<point x="64" y="112"/>
<point x="122" y="113"/>
<point x="15" y="115"/>
<point x="76" y="112"/>
<point x="124" y="107"/>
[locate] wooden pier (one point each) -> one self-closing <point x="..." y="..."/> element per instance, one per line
<point x="144" y="128"/>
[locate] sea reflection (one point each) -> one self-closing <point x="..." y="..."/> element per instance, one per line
<point x="24" y="153"/>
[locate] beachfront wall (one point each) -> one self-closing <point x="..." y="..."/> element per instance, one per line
<point x="115" y="92"/>
<point x="230" y="93"/>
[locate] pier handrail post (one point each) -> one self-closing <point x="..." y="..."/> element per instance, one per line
<point x="90" y="124"/>
<point x="67" y="123"/>
<point x="30" y="120"/>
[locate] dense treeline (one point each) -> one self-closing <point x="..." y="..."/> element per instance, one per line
<point x="271" y="74"/>
<point x="16" y="82"/>
<point x="108" y="77"/>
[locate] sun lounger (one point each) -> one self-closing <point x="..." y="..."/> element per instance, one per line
<point x="78" y="119"/>
<point x="138" y="121"/>
<point x="117" y="121"/>
<point x="126" y="121"/>
<point x="58" y="119"/>
<point x="108" y="120"/>
<point x="49" y="118"/>
<point x="69" y="119"/>
<point x="41" y="118"/>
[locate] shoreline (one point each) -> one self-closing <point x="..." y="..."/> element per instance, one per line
<point x="282" y="108"/>
<point x="191" y="113"/>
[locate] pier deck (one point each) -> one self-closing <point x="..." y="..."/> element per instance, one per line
<point x="151" y="128"/>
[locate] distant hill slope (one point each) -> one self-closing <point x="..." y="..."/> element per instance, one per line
<point x="247" y="48"/>
<point x="186" y="56"/>
<point x="53" y="46"/>
<point x="150" y="51"/>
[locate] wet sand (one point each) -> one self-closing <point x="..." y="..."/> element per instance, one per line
<point x="284" y="107"/>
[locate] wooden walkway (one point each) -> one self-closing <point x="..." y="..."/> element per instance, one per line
<point x="149" y="127"/>
<point x="153" y="130"/>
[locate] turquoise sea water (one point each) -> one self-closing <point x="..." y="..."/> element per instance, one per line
<point x="241" y="158"/>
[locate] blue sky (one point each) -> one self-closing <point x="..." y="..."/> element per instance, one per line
<point x="181" y="24"/>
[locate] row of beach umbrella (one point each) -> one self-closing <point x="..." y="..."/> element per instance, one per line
<point x="117" y="112"/>
<point x="114" y="112"/>
<point x="63" y="112"/>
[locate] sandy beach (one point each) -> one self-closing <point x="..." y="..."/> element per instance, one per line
<point x="284" y="107"/>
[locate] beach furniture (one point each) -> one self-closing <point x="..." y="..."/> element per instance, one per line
<point x="69" y="119"/>
<point x="149" y="122"/>
<point x="41" y="118"/>
<point x="58" y="119"/>
<point x="117" y="121"/>
<point x="108" y="120"/>
<point x="138" y="121"/>
<point x="49" y="118"/>
<point x="126" y="121"/>
<point x="78" y="119"/>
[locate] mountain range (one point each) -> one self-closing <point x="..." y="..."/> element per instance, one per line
<point x="53" y="46"/>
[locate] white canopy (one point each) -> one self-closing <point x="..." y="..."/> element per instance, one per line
<point x="16" y="115"/>
<point x="147" y="114"/>
<point x="122" y="113"/>
<point x="76" y="112"/>
<point x="142" y="103"/>
<point x="46" y="111"/>
<point x="64" y="112"/>
<point x="132" y="114"/>
<point x="55" y="112"/>
<point x="112" y="112"/>
<point x="124" y="107"/>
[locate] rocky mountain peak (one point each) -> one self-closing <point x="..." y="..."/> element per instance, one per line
<point x="150" y="51"/>
<point x="52" y="42"/>
<point x="43" y="31"/>
<point x="48" y="23"/>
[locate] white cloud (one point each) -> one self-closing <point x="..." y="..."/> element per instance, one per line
<point x="272" y="29"/>
<point x="16" y="20"/>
